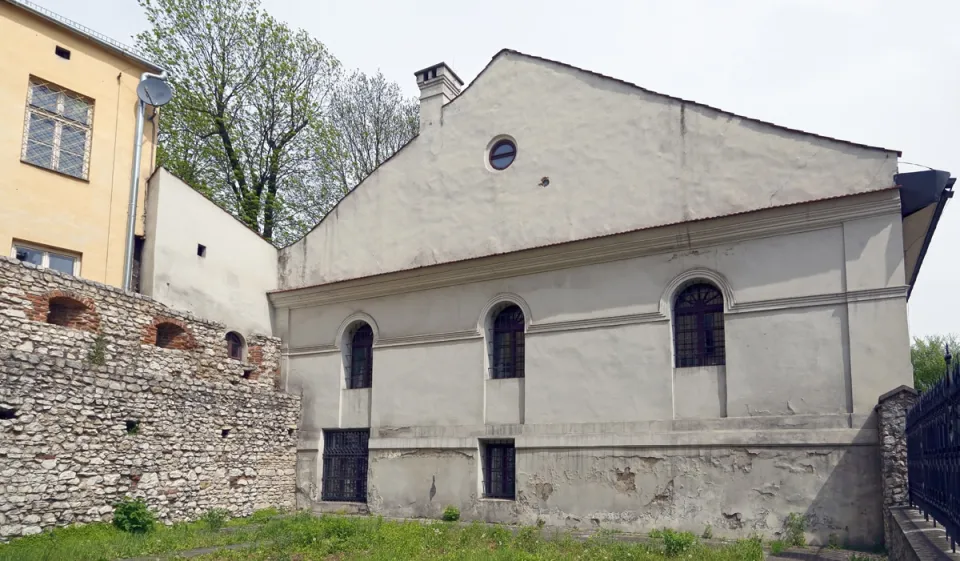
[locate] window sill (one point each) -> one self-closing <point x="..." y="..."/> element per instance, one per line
<point x="497" y="500"/>
<point x="60" y="173"/>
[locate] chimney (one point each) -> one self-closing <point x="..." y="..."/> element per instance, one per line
<point x="438" y="85"/>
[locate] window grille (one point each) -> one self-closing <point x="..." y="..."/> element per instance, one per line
<point x="508" y="344"/>
<point x="360" y="360"/>
<point x="499" y="469"/>
<point x="57" y="129"/>
<point x="698" y="326"/>
<point x="345" y="465"/>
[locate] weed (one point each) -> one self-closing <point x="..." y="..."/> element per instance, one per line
<point x="795" y="526"/>
<point x="215" y="518"/>
<point x="777" y="547"/>
<point x="833" y="541"/>
<point x="707" y="532"/>
<point x="133" y="516"/>
<point x="674" y="543"/>
<point x="98" y="352"/>
<point x="450" y="514"/>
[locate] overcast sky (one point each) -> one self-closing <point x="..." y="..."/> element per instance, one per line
<point x="879" y="72"/>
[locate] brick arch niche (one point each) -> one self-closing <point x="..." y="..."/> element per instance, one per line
<point x="66" y="310"/>
<point x="169" y="333"/>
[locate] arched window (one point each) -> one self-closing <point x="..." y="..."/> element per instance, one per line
<point x="507" y="359"/>
<point x="360" y="363"/>
<point x="234" y="345"/>
<point x="698" y="326"/>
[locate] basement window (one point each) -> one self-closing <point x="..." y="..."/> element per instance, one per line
<point x="62" y="53"/>
<point x="499" y="469"/>
<point x="224" y="433"/>
<point x="7" y="413"/>
<point x="201" y="250"/>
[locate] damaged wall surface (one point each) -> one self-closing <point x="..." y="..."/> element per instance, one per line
<point x="92" y="409"/>
<point x="737" y="490"/>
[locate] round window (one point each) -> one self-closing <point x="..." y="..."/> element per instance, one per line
<point x="503" y="153"/>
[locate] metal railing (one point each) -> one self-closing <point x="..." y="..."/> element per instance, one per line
<point x="933" y="452"/>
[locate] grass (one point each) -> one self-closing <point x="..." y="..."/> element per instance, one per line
<point x="104" y="542"/>
<point x="303" y="537"/>
<point x="330" y="538"/>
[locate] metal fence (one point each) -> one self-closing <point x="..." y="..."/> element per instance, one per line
<point x="933" y="452"/>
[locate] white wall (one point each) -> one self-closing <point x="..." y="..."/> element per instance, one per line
<point x="618" y="159"/>
<point x="229" y="283"/>
<point x="799" y="339"/>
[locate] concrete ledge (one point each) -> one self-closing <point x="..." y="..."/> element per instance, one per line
<point x="914" y="539"/>
<point x="773" y="438"/>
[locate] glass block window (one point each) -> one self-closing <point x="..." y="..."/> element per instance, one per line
<point x="69" y="264"/>
<point x="57" y="129"/>
<point x="698" y="326"/>
<point x="507" y="360"/>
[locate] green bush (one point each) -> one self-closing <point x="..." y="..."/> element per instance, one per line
<point x="450" y="514"/>
<point x="795" y="526"/>
<point x="777" y="547"/>
<point x="133" y="516"/>
<point x="215" y="518"/>
<point x="674" y="543"/>
<point x="707" y="532"/>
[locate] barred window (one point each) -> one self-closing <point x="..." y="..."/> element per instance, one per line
<point x="698" y="326"/>
<point x="499" y="469"/>
<point x="508" y="345"/>
<point x="57" y="129"/>
<point x="360" y="361"/>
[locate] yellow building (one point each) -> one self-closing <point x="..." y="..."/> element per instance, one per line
<point x="68" y="106"/>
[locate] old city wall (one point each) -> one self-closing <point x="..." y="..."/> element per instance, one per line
<point x="105" y="394"/>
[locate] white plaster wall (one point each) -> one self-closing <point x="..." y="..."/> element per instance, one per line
<point x="229" y="284"/>
<point x="618" y="159"/>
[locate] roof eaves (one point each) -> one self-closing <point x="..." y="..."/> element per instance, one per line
<point x="100" y="39"/>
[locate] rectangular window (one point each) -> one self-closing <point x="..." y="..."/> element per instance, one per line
<point x="57" y="129"/>
<point x="48" y="259"/>
<point x="499" y="469"/>
<point x="345" y="455"/>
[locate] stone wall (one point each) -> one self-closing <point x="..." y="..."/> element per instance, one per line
<point x="91" y="409"/>
<point x="892" y="410"/>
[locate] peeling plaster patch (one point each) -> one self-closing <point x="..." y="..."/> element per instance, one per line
<point x="734" y="521"/>
<point x="543" y="490"/>
<point x="625" y="480"/>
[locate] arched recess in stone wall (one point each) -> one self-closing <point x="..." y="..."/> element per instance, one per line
<point x="169" y="333"/>
<point x="65" y="309"/>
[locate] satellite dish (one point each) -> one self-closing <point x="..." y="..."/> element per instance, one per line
<point x="154" y="91"/>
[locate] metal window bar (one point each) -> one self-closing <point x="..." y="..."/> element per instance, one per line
<point x="345" y="459"/>
<point x="507" y="342"/>
<point x="933" y="451"/>
<point x="698" y="337"/>
<point x="57" y="129"/>
<point x="499" y="469"/>
<point x="360" y="374"/>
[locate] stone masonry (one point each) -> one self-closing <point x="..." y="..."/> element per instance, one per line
<point x="105" y="394"/>
<point x="892" y="410"/>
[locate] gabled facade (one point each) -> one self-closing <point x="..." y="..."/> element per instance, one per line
<point x="574" y="300"/>
<point x="67" y="114"/>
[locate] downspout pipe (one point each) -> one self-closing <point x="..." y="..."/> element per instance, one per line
<point x="135" y="185"/>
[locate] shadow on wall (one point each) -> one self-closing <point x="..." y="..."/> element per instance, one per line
<point x="853" y="492"/>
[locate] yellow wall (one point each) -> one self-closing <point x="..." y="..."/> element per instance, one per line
<point x="45" y="207"/>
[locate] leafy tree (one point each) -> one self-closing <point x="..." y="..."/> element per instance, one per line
<point x="262" y="120"/>
<point x="927" y="355"/>
<point x="247" y="111"/>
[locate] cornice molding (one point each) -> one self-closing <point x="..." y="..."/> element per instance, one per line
<point x="736" y="308"/>
<point x="758" y="224"/>
<point x="595" y="323"/>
